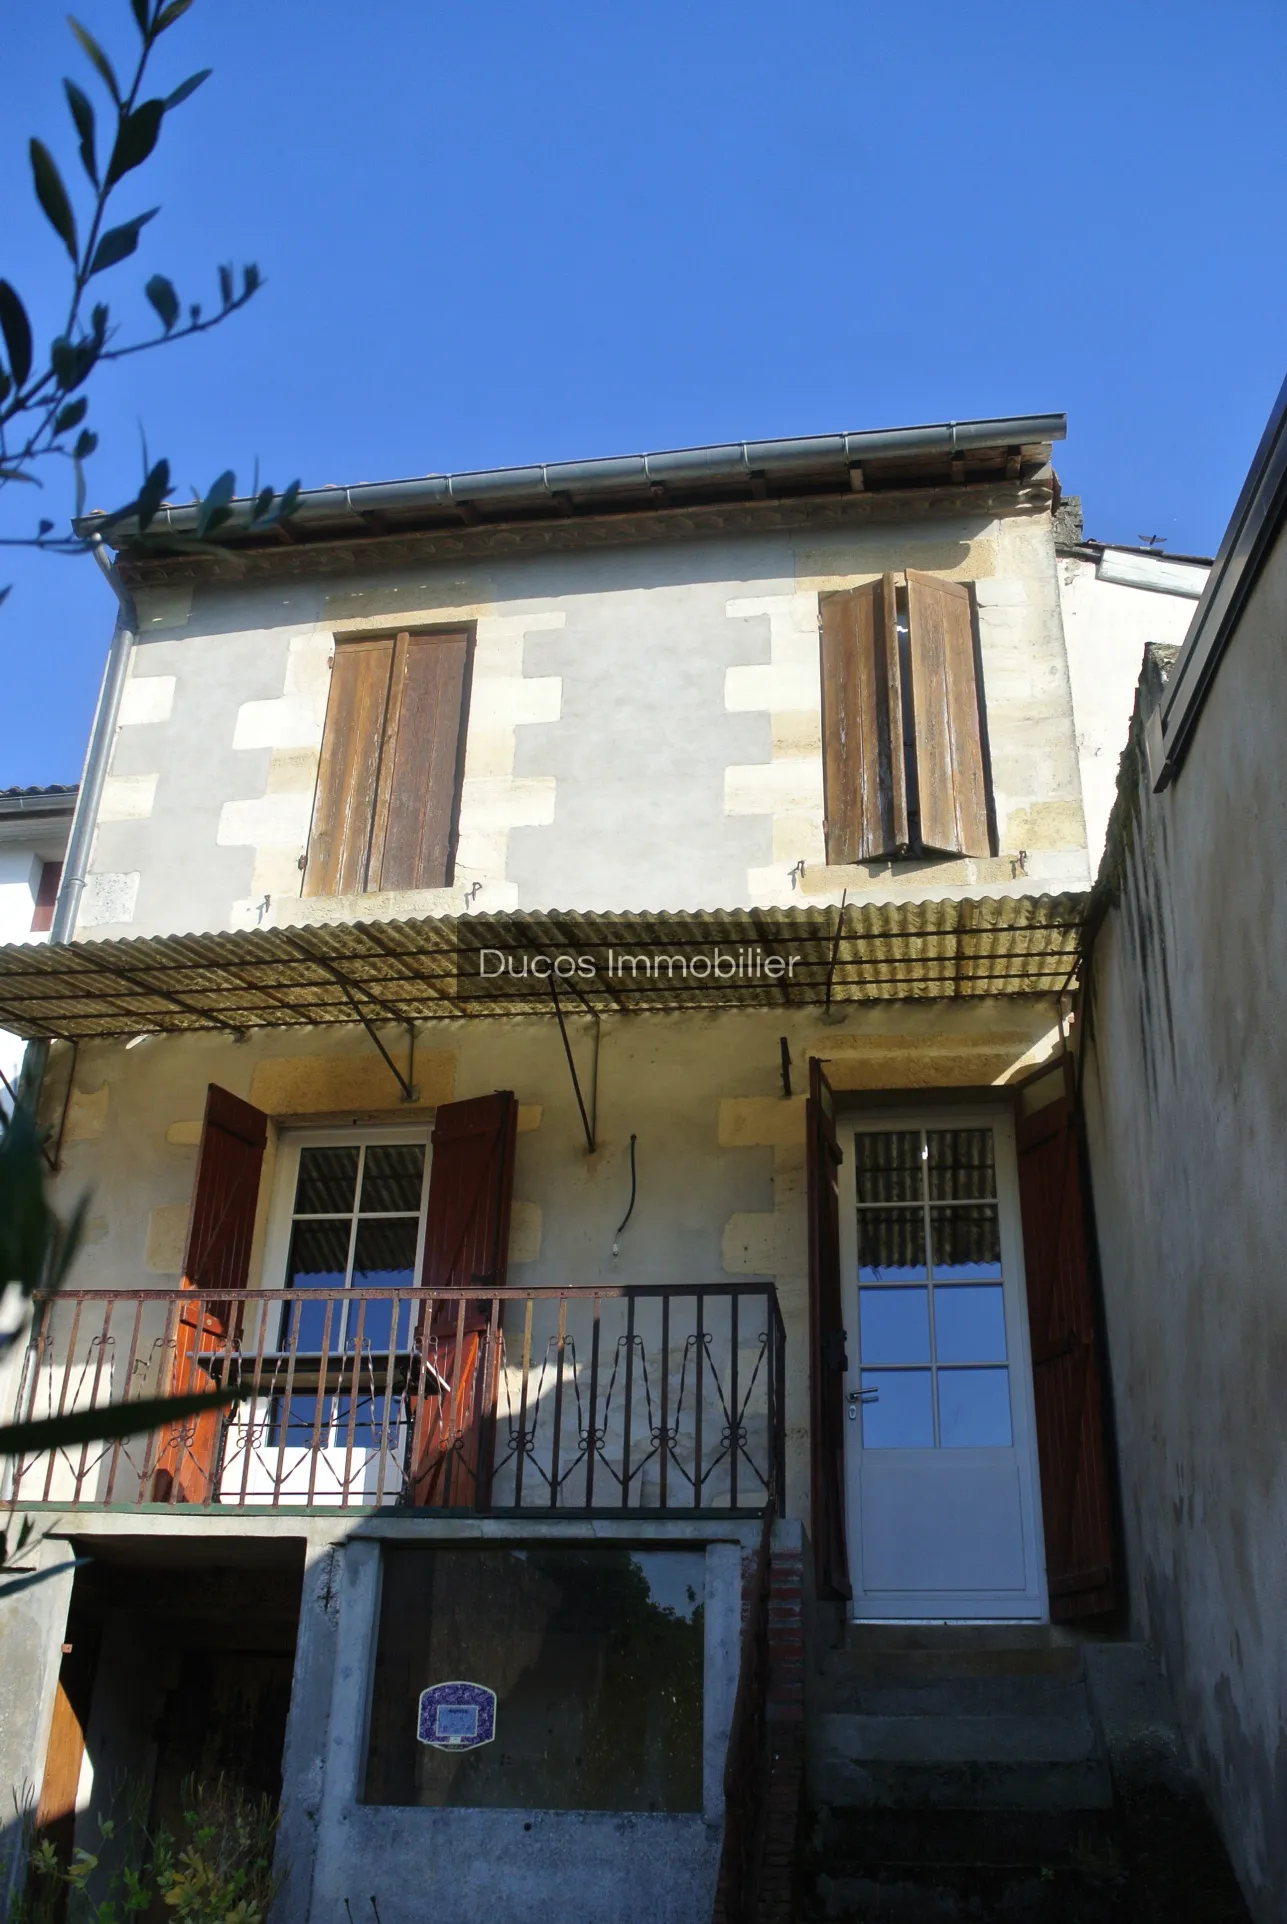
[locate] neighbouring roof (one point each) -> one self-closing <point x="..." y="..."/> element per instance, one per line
<point x="1010" y="451"/>
<point x="58" y="799"/>
<point x="411" y="971"/>
<point x="1258" y="515"/>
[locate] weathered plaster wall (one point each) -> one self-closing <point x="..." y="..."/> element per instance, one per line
<point x="1187" y="1113"/>
<point x="720" y="1151"/>
<point x="1107" y="627"/>
<point x="643" y="732"/>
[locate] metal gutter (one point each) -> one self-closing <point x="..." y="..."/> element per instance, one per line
<point x="1253" y="527"/>
<point x="618" y="474"/>
<point x="39" y="804"/>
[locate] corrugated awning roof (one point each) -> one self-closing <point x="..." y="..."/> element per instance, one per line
<point x="500" y="965"/>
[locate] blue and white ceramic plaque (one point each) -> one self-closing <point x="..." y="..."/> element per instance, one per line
<point x="457" y="1716"/>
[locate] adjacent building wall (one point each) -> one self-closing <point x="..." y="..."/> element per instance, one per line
<point x="644" y="729"/>
<point x="1114" y="606"/>
<point x="1186" y="1091"/>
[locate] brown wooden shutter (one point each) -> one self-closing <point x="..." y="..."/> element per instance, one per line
<point x="862" y="728"/>
<point x="413" y="844"/>
<point x="471" y="1183"/>
<point x="339" y="842"/>
<point x="42" y="919"/>
<point x="1076" y="1494"/>
<point x="827" y="1360"/>
<point x="216" y="1268"/>
<point x="946" y="704"/>
<point x="56" y="1811"/>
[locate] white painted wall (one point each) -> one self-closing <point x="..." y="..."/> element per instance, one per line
<point x="24" y="849"/>
<point x="1107" y="626"/>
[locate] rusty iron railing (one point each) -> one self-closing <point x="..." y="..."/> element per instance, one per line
<point x="651" y="1401"/>
<point x="746" y="1763"/>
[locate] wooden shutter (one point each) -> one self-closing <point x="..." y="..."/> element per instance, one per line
<point x="471" y="1183"/>
<point x="862" y="724"/>
<point x="216" y="1268"/>
<point x="339" y="842"/>
<point x="388" y="782"/>
<point x="1076" y="1494"/>
<point x="42" y="919"/>
<point x="413" y="844"/>
<point x="56" y="1811"/>
<point x="827" y="1360"/>
<point x="946" y="705"/>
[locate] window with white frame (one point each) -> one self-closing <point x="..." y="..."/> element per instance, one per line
<point x="353" y="1224"/>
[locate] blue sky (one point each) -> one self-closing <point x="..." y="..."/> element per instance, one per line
<point x="511" y="231"/>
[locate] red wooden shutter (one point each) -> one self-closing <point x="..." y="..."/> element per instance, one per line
<point x="1076" y="1495"/>
<point x="946" y="703"/>
<point x="413" y="845"/>
<point x="42" y="919"/>
<point x="339" y="841"/>
<point x="216" y="1267"/>
<point x="827" y="1362"/>
<point x="864" y="782"/>
<point x="471" y="1183"/>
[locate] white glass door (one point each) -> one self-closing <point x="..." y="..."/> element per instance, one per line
<point x="940" y="1463"/>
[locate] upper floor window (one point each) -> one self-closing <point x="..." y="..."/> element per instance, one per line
<point x="905" y="762"/>
<point x="388" y="787"/>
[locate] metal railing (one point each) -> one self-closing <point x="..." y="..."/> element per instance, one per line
<point x="651" y="1401"/>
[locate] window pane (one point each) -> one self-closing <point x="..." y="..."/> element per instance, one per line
<point x="384" y="1256"/>
<point x="294" y="1420"/>
<point x="891" y="1245"/>
<point x="962" y="1165"/>
<point x="974" y="1409"/>
<point x="900" y="1416"/>
<point x="327" y="1181"/>
<point x="887" y="1165"/>
<point x="967" y="1242"/>
<point x="596" y="1658"/>
<point x="969" y="1324"/>
<point x="368" y="1421"/>
<point x="894" y="1325"/>
<point x="392" y="1176"/>
<point x="319" y="1254"/>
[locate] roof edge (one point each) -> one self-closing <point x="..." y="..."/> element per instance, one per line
<point x="605" y="476"/>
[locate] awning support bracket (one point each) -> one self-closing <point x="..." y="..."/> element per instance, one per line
<point x="409" y="1092"/>
<point x="588" y="1122"/>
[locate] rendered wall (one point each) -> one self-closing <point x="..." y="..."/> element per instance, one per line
<point x="1107" y="627"/>
<point x="1187" y="1114"/>
<point x="644" y="730"/>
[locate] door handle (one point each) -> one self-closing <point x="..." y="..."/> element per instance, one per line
<point x="855" y="1397"/>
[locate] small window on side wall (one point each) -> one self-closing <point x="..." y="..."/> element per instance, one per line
<point x="905" y="761"/>
<point x="387" y="806"/>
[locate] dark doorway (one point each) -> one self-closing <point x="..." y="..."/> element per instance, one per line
<point x="180" y="1666"/>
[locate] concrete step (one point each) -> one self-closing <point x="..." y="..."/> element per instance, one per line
<point x="937" y="1867"/>
<point x="1059" y="1695"/>
<point x="916" y="1651"/>
<point x="1001" y="1738"/>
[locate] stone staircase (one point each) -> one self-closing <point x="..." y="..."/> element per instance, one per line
<point x="971" y="1773"/>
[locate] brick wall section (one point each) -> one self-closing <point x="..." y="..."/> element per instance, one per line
<point x="785" y="1720"/>
<point x="786" y="1732"/>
